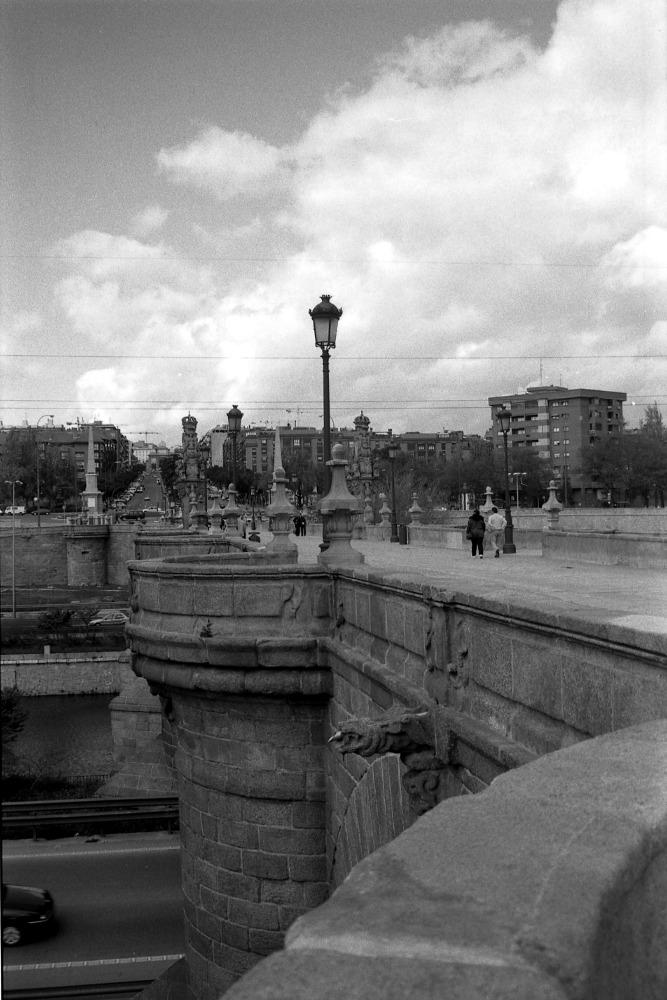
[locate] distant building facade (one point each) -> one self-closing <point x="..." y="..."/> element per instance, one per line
<point x="555" y="423"/>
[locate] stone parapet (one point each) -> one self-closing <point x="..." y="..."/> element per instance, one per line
<point x="549" y="885"/>
<point x="86" y="555"/>
<point x="606" y="548"/>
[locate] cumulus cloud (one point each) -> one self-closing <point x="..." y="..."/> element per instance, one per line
<point x="147" y="221"/>
<point x="478" y="200"/>
<point x="225" y="163"/>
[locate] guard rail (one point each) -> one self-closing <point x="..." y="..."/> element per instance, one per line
<point x="100" y="812"/>
<point x="121" y="991"/>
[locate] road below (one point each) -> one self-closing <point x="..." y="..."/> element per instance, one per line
<point x="119" y="909"/>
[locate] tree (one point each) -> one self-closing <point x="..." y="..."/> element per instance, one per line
<point x="607" y="462"/>
<point x="648" y="458"/>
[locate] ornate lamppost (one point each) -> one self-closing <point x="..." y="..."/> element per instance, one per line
<point x="504" y="419"/>
<point x="392" y="451"/>
<point x="13" y="483"/>
<point x="325" y="316"/>
<point x="39" y="514"/>
<point x="234" y="418"/>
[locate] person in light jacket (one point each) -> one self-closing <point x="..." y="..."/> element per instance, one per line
<point x="496" y="525"/>
<point x="475" y="533"/>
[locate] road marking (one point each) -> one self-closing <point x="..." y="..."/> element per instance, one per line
<point x="8" y="856"/>
<point x="91" y="962"/>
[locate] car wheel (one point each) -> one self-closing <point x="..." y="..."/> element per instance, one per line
<point x="11" y="935"/>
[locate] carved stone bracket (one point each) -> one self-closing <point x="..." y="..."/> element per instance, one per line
<point x="402" y="732"/>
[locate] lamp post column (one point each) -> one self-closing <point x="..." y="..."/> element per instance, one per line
<point x="509" y="548"/>
<point x="327" y="420"/>
<point x="14" y="483"/>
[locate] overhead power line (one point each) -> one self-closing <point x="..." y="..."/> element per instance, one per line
<point x="348" y="357"/>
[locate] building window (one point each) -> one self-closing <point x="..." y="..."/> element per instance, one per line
<point x="556" y="454"/>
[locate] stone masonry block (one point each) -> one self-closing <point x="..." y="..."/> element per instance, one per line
<point x="378" y="612"/>
<point x="395" y="615"/>
<point x="316" y="893"/>
<point x="264" y="865"/>
<point x="537" y="678"/>
<point x="237" y="834"/>
<point x="312" y="868"/>
<point x="268" y="812"/>
<point x="262" y="915"/>
<point x="261" y="600"/>
<point x="416" y="621"/>
<point x="177" y="597"/>
<point x="309" y="814"/>
<point x="638" y="697"/>
<point x="286" y="892"/>
<point x="587" y="696"/>
<point x="233" y="959"/>
<point x="213" y="597"/>
<point x="222" y="855"/>
<point x="362" y="610"/>
<point x="235" y="935"/>
<point x="215" y="902"/>
<point x="238" y="885"/>
<point x="491" y="660"/>
<point x="282" y="840"/>
<point x="264" y="942"/>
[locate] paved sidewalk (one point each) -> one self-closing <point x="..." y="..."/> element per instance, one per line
<point x="618" y="595"/>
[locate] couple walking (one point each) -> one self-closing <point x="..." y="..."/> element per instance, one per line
<point x="476" y="530"/>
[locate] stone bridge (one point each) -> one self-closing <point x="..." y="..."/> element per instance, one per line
<point x="312" y="714"/>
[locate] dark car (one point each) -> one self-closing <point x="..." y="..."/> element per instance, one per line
<point x="26" y="913"/>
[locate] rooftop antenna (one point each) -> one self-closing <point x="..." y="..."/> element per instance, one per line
<point x="540" y="371"/>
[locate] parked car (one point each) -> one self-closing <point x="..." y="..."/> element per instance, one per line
<point x="132" y="515"/>
<point x="44" y="508"/>
<point x="26" y="912"/>
<point x="108" y="619"/>
<point x="18" y="508"/>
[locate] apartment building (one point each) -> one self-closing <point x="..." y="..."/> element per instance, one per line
<point x="555" y="422"/>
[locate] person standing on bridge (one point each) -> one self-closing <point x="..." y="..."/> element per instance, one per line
<point x="475" y="532"/>
<point x="496" y="525"/>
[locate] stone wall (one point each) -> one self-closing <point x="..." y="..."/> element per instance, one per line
<point x="550" y="885"/>
<point x="67" y="673"/>
<point x="40" y="555"/>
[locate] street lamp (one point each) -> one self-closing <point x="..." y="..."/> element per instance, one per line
<point x="39" y="515"/>
<point x="517" y="476"/>
<point x="392" y="451"/>
<point x="13" y="483"/>
<point x="234" y="418"/>
<point x="504" y="419"/>
<point x="325" y="316"/>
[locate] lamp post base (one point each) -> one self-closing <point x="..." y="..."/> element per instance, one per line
<point x="509" y="549"/>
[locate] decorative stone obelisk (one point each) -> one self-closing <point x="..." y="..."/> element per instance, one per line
<point x="93" y="506"/>
<point x="280" y="510"/>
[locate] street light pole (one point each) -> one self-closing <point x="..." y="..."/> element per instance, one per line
<point x="509" y="548"/>
<point x="517" y="476"/>
<point x="392" y="451"/>
<point x="39" y="514"/>
<point x="325" y="316"/>
<point x="13" y="483"/>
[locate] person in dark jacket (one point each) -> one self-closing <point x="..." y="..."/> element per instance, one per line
<point x="475" y="533"/>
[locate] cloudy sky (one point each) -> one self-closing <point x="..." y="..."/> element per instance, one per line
<point x="480" y="185"/>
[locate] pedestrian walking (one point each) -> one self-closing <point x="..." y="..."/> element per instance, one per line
<point x="297" y="525"/>
<point x="302" y="524"/>
<point x="475" y="533"/>
<point x="496" y="525"/>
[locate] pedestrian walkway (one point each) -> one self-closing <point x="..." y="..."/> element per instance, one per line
<point x="619" y="595"/>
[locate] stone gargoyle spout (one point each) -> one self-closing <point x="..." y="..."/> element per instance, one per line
<point x="404" y="733"/>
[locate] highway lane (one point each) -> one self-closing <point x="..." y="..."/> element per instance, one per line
<point x="119" y="907"/>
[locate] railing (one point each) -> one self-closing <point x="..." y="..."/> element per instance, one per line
<point x="98" y="812"/>
<point x="121" y="991"/>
